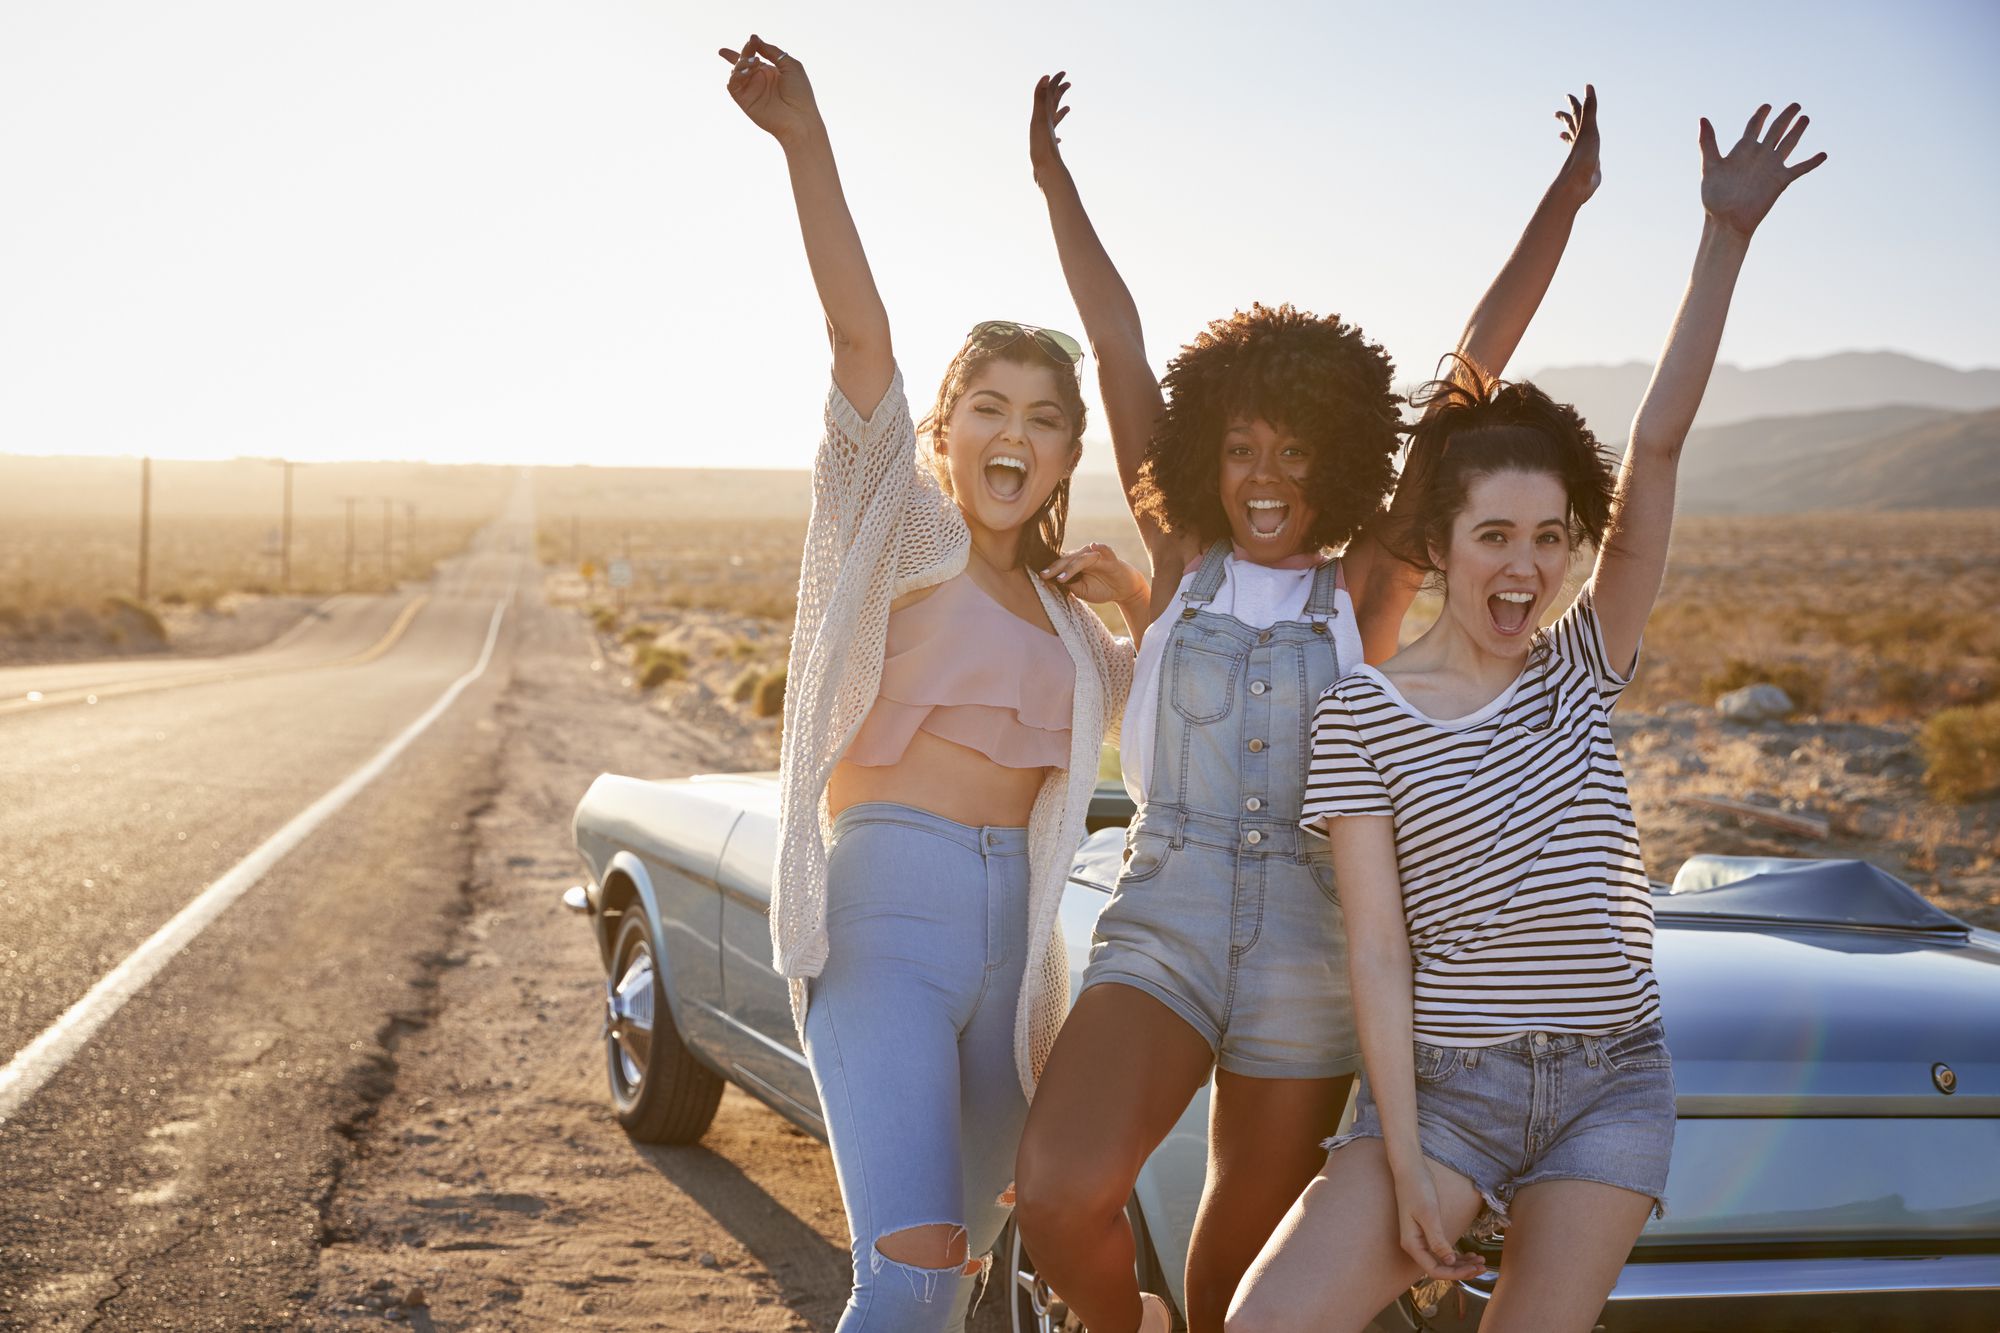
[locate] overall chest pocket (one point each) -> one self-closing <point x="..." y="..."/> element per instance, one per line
<point x="1203" y="681"/>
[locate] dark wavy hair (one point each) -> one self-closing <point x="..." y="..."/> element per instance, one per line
<point x="1043" y="540"/>
<point x="1314" y="376"/>
<point x="1474" y="426"/>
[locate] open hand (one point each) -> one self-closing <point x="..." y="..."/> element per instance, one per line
<point x="1422" y="1233"/>
<point x="1580" y="175"/>
<point x="772" y="89"/>
<point x="1737" y="190"/>
<point x="1096" y="574"/>
<point x="1043" y="145"/>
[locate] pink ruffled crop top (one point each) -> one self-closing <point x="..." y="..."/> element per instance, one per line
<point x="967" y="670"/>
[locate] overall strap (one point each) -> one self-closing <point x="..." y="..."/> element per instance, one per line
<point x="1208" y="581"/>
<point x="1327" y="582"/>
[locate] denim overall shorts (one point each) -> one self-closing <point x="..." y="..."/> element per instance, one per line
<point x="1224" y="910"/>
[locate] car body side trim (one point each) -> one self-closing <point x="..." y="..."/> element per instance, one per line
<point x="1736" y="1279"/>
<point x="785" y="1106"/>
<point x="1796" y="1106"/>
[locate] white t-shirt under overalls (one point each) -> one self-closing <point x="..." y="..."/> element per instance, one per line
<point x="1258" y="595"/>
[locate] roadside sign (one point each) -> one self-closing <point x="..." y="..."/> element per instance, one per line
<point x="621" y="573"/>
<point x="588" y="570"/>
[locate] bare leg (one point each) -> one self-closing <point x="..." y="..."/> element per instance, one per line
<point x="1565" y="1245"/>
<point x="1335" y="1261"/>
<point x="1264" y="1137"/>
<point x="1124" y="1068"/>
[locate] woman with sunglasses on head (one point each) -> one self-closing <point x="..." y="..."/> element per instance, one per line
<point x="1497" y="909"/>
<point x="943" y="714"/>
<point x="1221" y="948"/>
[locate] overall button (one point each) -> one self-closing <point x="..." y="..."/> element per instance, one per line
<point x="1253" y="804"/>
<point x="1257" y="687"/>
<point x="1265" y="637"/>
<point x="1541" y="1039"/>
<point x="1256" y="747"/>
<point x="1253" y="837"/>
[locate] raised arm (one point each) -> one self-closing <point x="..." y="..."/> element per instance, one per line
<point x="1132" y="401"/>
<point x="774" y="92"/>
<point x="1383" y="586"/>
<point x="1736" y="192"/>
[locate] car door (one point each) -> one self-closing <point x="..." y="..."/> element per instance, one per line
<point x="764" y="1047"/>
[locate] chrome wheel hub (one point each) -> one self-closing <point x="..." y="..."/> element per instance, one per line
<point x="1046" y="1313"/>
<point x="628" y="1016"/>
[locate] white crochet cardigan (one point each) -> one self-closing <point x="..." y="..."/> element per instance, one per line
<point x="882" y="526"/>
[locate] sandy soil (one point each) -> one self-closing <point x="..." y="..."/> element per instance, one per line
<point x="1865" y="781"/>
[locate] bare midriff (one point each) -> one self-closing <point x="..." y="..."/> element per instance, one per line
<point x="935" y="775"/>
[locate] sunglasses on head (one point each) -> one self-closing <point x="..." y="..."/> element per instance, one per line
<point x="993" y="334"/>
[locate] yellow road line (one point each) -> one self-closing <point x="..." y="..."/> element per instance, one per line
<point x="90" y="695"/>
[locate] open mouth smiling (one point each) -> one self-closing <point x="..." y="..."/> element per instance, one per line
<point x="1006" y="476"/>
<point x="1267" y="518"/>
<point x="1511" y="612"/>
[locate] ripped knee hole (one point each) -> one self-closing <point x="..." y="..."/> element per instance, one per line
<point x="937" y="1246"/>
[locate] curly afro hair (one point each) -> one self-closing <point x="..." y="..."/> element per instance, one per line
<point x="1314" y="376"/>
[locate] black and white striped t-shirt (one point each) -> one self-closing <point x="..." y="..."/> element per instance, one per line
<point x="1523" y="888"/>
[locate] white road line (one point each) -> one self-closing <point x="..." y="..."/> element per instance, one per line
<point x="41" y="1059"/>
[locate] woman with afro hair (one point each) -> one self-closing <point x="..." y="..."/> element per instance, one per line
<point x="1270" y="444"/>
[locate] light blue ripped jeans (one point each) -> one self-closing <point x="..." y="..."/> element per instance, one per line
<point x="910" y="1036"/>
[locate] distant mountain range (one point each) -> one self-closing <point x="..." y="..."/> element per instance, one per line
<point x="1609" y="395"/>
<point x="1871" y="458"/>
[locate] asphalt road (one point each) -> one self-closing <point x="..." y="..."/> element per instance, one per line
<point x="174" y="1172"/>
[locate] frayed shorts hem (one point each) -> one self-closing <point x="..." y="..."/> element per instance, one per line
<point x="1496" y="1196"/>
<point x="1500" y="1196"/>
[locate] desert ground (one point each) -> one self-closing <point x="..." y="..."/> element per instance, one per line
<point x="444" y="1153"/>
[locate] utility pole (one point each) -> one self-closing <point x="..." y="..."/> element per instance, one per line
<point x="410" y="529"/>
<point x="145" y="523"/>
<point x="347" y="578"/>
<point x="388" y="519"/>
<point x="285" y="559"/>
<point x="575" y="539"/>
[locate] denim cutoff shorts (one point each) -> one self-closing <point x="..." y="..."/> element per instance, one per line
<point x="1542" y="1106"/>
<point x="1245" y="943"/>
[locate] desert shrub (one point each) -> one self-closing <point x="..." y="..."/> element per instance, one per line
<point x="742" y="650"/>
<point x="1800" y="682"/>
<point x="639" y="634"/>
<point x="1901" y="686"/>
<point x="770" y="699"/>
<point x="656" y="666"/>
<point x="604" y="618"/>
<point x="173" y="597"/>
<point x="745" y="688"/>
<point x="1961" y="748"/>
<point x="138" y="611"/>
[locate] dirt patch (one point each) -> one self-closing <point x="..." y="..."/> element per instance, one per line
<point x="1864" y="781"/>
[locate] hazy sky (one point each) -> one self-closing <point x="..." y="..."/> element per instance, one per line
<point x="540" y="232"/>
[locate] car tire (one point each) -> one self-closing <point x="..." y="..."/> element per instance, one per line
<point x="661" y="1093"/>
<point x="1032" y="1308"/>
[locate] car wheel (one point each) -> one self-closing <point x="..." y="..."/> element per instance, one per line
<point x="661" y="1092"/>
<point x="1033" y="1308"/>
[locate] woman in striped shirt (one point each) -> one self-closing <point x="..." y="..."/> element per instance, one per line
<point x="1500" y="933"/>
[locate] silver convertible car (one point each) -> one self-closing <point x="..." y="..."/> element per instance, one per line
<point x="1836" y="1045"/>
